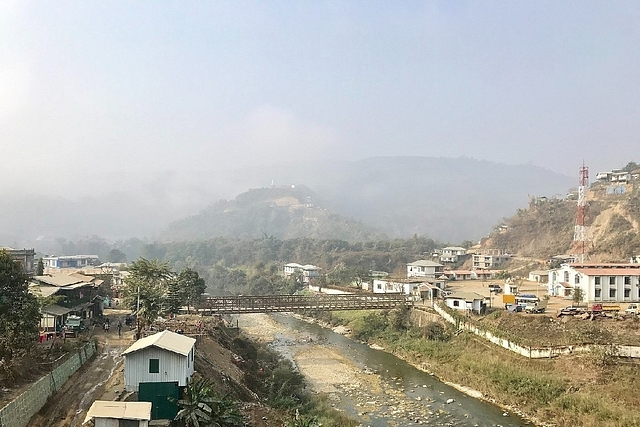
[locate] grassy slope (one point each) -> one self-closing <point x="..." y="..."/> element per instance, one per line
<point x="590" y="391"/>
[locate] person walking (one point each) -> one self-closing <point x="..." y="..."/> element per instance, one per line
<point x="119" y="329"/>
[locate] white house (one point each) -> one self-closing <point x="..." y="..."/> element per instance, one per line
<point x="540" y="276"/>
<point x="424" y="268"/>
<point x="164" y="357"/>
<point x="466" y="301"/>
<point x="106" y="413"/>
<point x="600" y="282"/>
<point x="407" y="286"/>
<point x="308" y="271"/>
<point x="452" y="254"/>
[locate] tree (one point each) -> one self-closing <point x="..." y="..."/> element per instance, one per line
<point x="192" y="286"/>
<point x="578" y="296"/>
<point x="19" y="310"/>
<point x="147" y="285"/>
<point x="40" y="267"/>
<point x="116" y="255"/>
<point x="200" y="407"/>
<point x="631" y="166"/>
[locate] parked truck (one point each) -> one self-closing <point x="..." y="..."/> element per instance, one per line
<point x="634" y="308"/>
<point x="604" y="308"/>
<point x="536" y="307"/>
<point x="74" y="325"/>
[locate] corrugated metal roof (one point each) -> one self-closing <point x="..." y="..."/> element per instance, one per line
<point x="58" y="280"/>
<point x="165" y="340"/>
<point x="467" y="296"/>
<point x="424" y="263"/>
<point x="119" y="410"/>
<point x="43" y="291"/>
<point x="56" y="310"/>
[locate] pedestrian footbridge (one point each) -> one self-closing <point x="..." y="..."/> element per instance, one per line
<point x="320" y="302"/>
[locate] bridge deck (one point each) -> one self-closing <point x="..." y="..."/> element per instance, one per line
<point x="321" y="302"/>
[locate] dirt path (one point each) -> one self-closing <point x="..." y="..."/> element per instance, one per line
<point x="99" y="378"/>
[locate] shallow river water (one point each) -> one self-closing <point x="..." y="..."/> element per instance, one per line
<point x="387" y="391"/>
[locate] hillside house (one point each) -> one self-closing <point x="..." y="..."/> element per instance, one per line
<point x="600" y="282"/>
<point x="26" y="258"/>
<point x="540" y="276"/>
<point x="165" y="357"/>
<point x="307" y="271"/>
<point x="452" y="254"/>
<point x="425" y="268"/>
<point x="469" y="302"/>
<point x="107" y="413"/>
<point x="460" y="275"/>
<point x="486" y="261"/>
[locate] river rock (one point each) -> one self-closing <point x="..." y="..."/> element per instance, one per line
<point x="450" y="401"/>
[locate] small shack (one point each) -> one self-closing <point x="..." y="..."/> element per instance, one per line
<point x="466" y="301"/>
<point x="165" y="357"/>
<point x="106" y="413"/>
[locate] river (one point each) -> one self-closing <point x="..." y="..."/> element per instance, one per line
<point x="371" y="385"/>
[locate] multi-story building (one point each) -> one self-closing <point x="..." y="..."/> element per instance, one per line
<point x="26" y="258"/>
<point x="600" y="282"/>
<point x="425" y="268"/>
<point x="453" y="254"/>
<point x="489" y="258"/>
<point x="308" y="271"/>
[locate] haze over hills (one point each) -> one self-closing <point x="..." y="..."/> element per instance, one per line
<point x="283" y="212"/>
<point x="450" y="199"/>
<point x="446" y="199"/>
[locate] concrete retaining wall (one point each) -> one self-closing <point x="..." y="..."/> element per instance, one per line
<point x="20" y="410"/>
<point x="537" y="352"/>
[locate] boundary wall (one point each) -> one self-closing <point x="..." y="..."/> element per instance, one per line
<point x="538" y="352"/>
<point x="19" y="411"/>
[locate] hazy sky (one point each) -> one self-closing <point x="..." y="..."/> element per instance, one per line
<point x="91" y="91"/>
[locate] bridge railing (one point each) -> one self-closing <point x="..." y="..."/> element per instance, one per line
<point x="280" y="303"/>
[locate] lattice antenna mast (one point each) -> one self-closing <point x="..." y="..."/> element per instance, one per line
<point x="579" y="234"/>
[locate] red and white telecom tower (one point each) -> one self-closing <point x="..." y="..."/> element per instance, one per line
<point x="579" y="234"/>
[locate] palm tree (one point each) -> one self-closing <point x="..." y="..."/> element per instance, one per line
<point x="201" y="408"/>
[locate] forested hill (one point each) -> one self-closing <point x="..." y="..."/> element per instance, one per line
<point x="286" y="212"/>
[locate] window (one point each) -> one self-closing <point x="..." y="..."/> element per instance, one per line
<point x="612" y="280"/>
<point x="627" y="280"/>
<point x="598" y="293"/>
<point x="566" y="276"/>
<point x="598" y="281"/>
<point x="154" y="366"/>
<point x="612" y="293"/>
<point x="577" y="279"/>
<point x="128" y="423"/>
<point x="456" y="303"/>
<point x="627" y="293"/>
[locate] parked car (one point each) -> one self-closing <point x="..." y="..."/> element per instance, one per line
<point x="495" y="288"/>
<point x="634" y="308"/>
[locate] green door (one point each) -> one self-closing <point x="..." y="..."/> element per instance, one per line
<point x="158" y="393"/>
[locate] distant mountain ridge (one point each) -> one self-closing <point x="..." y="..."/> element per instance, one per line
<point x="284" y="212"/>
<point x="447" y="199"/>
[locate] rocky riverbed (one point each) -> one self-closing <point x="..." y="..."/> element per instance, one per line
<point x="375" y="395"/>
